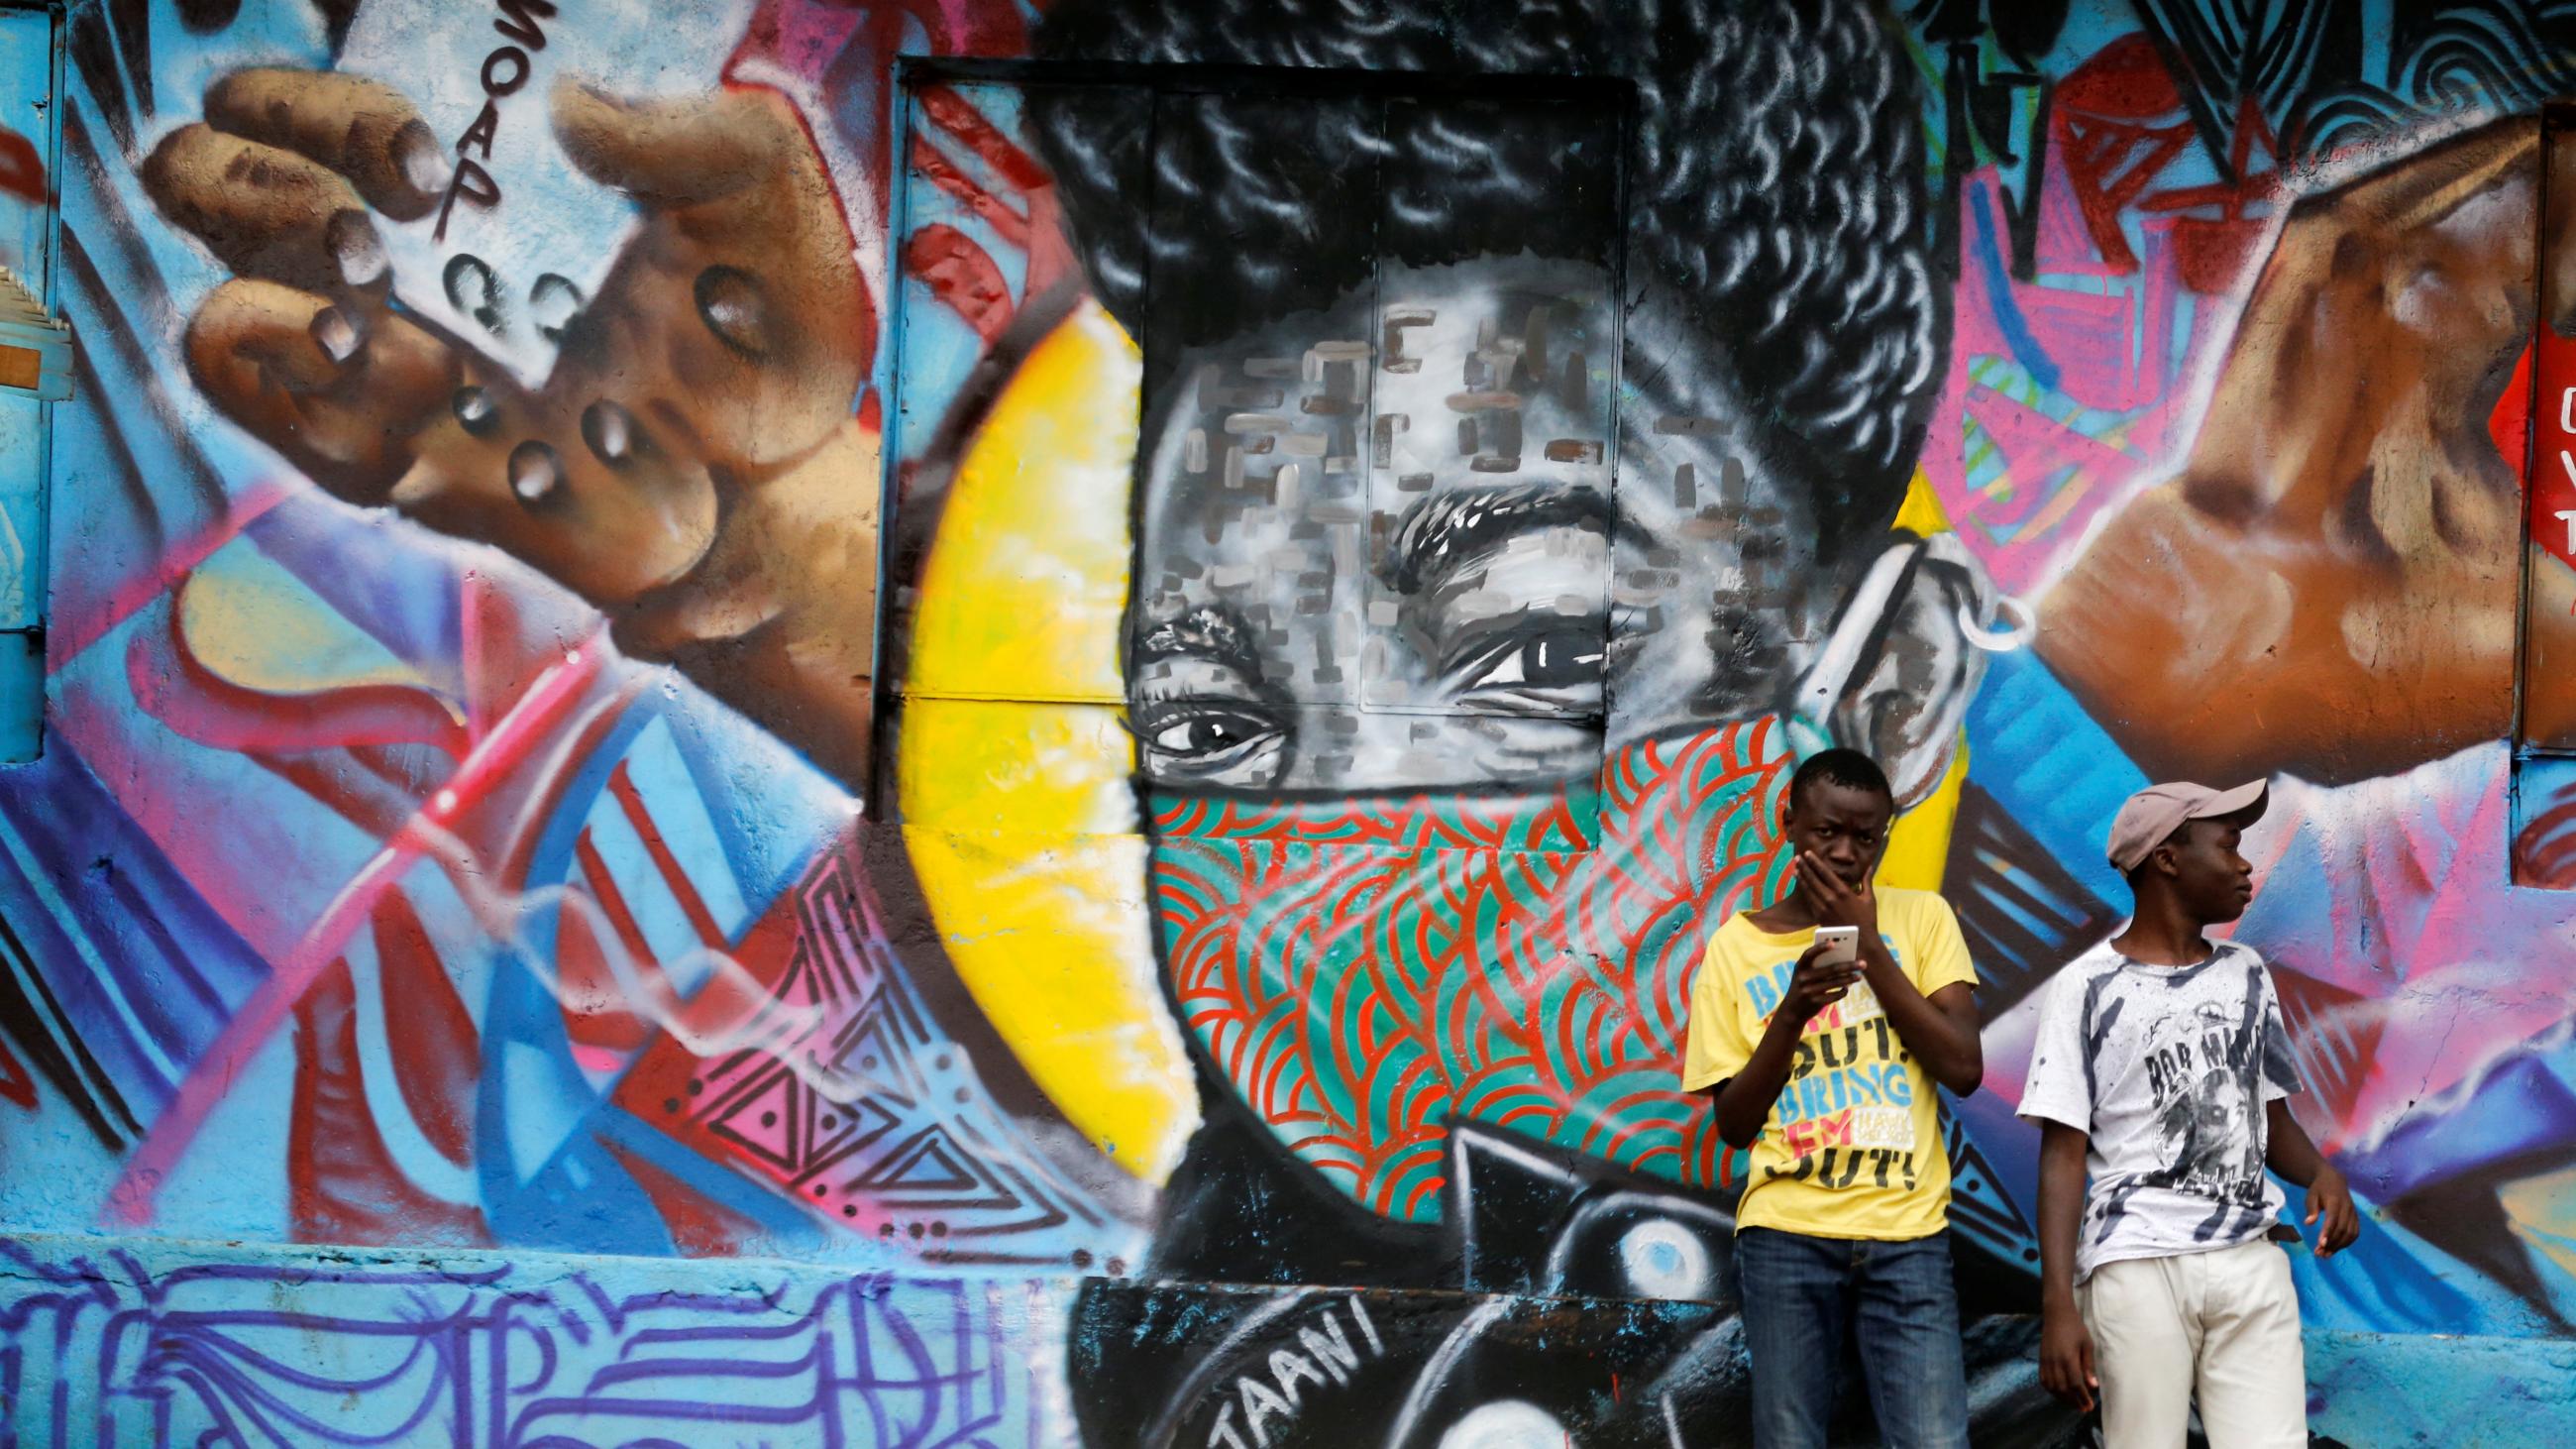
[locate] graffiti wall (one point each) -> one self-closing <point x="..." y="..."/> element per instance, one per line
<point x="887" y="722"/>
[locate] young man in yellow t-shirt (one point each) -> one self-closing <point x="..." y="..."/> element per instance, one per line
<point x="1827" y="1072"/>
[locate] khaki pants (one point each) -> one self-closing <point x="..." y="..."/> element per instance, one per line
<point x="2223" y="1325"/>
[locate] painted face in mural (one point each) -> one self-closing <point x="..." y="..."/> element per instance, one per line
<point x="1419" y="573"/>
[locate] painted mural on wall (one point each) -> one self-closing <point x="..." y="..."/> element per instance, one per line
<point x="679" y="632"/>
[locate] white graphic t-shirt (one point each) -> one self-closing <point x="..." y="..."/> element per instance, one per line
<point x="2169" y="1070"/>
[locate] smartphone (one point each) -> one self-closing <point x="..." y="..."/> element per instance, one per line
<point x="1841" y="943"/>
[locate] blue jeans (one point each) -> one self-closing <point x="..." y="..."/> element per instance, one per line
<point x="1800" y="1294"/>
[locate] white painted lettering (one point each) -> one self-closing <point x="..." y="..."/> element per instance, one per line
<point x="1287" y="1366"/>
<point x="1334" y="1352"/>
<point x="1260" y="1405"/>
<point x="1368" y="1330"/>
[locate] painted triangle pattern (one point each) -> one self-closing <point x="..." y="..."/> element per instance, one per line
<point x="870" y="1118"/>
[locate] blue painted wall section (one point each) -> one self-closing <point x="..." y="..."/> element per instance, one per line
<point x="31" y="61"/>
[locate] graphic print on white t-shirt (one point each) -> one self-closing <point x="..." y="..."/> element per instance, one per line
<point x="2168" y="1071"/>
<point x="2205" y="1124"/>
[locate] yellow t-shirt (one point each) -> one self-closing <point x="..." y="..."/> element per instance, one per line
<point x="1853" y="1146"/>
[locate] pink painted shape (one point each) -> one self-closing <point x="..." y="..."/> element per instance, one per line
<point x="2111" y="351"/>
<point x="517" y="735"/>
<point x="2395" y="889"/>
<point x="74" y="632"/>
<point x="798" y="36"/>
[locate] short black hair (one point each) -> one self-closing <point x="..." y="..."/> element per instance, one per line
<point x="1777" y="202"/>
<point x="1838" y="766"/>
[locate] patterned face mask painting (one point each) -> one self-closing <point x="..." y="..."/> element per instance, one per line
<point x="1474" y="961"/>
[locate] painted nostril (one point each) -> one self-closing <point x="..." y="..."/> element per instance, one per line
<point x="356" y="249"/>
<point x="474" y="408"/>
<point x="335" y="334"/>
<point x="733" y="307"/>
<point x="610" y="431"/>
<point x="535" y="471"/>
<point x="422" y="164"/>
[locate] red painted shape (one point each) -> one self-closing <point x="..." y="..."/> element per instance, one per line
<point x="2117" y="123"/>
<point x="436" y="1050"/>
<point x="2210" y="253"/>
<point x="2123" y="81"/>
<point x="172" y="686"/>
<point x="674" y="875"/>
<point x="700" y="1226"/>
<point x="2544" y="855"/>
<point x="600" y="1016"/>
<point x="342" y="1183"/>
<point x="2509" y="422"/>
<point x="15" y="1083"/>
<point x="962" y="276"/>
<point x="594" y="1011"/>
<point x="22" y="171"/>
<point x="2551" y="465"/>
<point x="948" y="176"/>
<point x="957" y="116"/>
<point x="799" y="953"/>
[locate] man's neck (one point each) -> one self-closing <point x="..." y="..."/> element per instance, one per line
<point x="2164" y="933"/>
<point x="1793" y="912"/>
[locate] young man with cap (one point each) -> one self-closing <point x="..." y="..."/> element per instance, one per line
<point x="2161" y="1071"/>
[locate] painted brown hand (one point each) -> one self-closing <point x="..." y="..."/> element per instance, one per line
<point x="2329" y="585"/>
<point x="691" y="465"/>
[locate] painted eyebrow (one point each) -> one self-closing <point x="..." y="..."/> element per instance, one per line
<point x="1212" y="632"/>
<point x="1439" y="534"/>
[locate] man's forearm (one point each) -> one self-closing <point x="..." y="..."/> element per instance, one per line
<point x="1948" y="1048"/>
<point x="2288" y="1150"/>
<point x="1744" y="1100"/>
<point x="2061" y="1210"/>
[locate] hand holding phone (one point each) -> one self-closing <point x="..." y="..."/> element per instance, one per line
<point x="1825" y="973"/>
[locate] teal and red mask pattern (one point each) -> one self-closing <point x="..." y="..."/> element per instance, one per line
<point x="1365" y="969"/>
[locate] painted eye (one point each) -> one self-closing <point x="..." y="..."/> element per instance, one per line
<point x="1210" y="733"/>
<point x="1558" y="656"/>
<point x="1220" y="744"/>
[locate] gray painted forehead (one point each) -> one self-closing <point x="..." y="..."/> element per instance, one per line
<point x="1472" y="376"/>
<point x="1458" y="376"/>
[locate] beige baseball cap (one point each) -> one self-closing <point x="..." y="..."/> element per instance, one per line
<point x="2147" y="818"/>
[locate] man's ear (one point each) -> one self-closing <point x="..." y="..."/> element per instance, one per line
<point x="1906" y="655"/>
